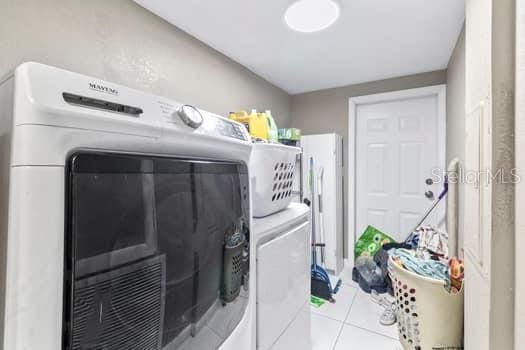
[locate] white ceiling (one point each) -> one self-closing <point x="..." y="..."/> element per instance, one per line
<point x="373" y="39"/>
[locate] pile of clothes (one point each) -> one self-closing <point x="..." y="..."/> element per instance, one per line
<point x="451" y="272"/>
<point x="430" y="258"/>
<point x="424" y="252"/>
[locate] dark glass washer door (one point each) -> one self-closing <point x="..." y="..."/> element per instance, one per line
<point x="157" y="251"/>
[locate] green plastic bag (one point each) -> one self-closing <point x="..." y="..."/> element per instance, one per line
<point x="371" y="242"/>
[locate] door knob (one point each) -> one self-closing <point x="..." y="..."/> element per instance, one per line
<point x="429" y="195"/>
<point x="429" y="181"/>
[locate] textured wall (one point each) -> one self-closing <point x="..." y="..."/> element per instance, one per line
<point x="326" y="111"/>
<point x="503" y="229"/>
<point x="456" y="101"/>
<point x="456" y="119"/>
<point x="119" y="41"/>
<point x="519" y="291"/>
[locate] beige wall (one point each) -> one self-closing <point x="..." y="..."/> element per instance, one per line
<point x="119" y="41"/>
<point x="456" y="121"/>
<point x="326" y="111"/>
<point x="519" y="273"/>
<point x="503" y="129"/>
<point x="456" y="101"/>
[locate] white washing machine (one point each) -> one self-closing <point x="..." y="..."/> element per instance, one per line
<point x="283" y="278"/>
<point x="126" y="219"/>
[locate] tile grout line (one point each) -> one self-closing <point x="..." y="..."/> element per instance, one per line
<point x="367" y="329"/>
<point x="371" y="331"/>
<point x="338" y="335"/>
<point x="343" y="323"/>
<point x="314" y="311"/>
<point x="289" y="325"/>
<point x="351" y="305"/>
<point x="327" y="317"/>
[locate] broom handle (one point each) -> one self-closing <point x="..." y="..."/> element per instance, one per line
<point x="440" y="197"/>
<point x="312" y="208"/>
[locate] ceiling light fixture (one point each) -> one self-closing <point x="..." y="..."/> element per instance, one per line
<point x="310" y="16"/>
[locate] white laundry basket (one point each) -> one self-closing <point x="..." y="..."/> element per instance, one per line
<point x="273" y="169"/>
<point x="429" y="317"/>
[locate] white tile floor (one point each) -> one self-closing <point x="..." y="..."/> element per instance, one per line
<point x="350" y="323"/>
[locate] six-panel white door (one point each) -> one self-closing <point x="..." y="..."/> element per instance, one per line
<point x="397" y="150"/>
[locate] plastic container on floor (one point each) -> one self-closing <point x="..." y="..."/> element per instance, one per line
<point x="369" y="275"/>
<point x="273" y="166"/>
<point x="429" y="317"/>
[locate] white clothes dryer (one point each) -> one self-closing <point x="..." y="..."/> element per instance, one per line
<point x="128" y="219"/>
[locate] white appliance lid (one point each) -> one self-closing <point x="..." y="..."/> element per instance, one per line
<point x="277" y="221"/>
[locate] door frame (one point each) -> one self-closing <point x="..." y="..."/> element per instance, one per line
<point x="519" y="303"/>
<point x="440" y="91"/>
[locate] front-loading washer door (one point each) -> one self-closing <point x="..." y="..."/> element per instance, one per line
<point x="157" y="252"/>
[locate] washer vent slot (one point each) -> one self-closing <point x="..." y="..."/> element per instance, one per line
<point x="101" y="104"/>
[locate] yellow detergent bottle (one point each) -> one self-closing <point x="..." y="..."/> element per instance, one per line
<point x="256" y="123"/>
<point x="272" y="128"/>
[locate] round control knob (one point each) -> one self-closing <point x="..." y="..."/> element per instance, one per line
<point x="190" y="116"/>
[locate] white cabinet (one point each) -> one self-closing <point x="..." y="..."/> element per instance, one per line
<point x="327" y="152"/>
<point x="283" y="282"/>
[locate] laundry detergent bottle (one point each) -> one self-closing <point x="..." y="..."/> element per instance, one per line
<point x="273" y="131"/>
<point x="256" y="123"/>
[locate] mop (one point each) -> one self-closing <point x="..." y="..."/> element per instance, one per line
<point x="321" y="286"/>
<point x="442" y="195"/>
<point x="429" y="211"/>
<point x="321" y="215"/>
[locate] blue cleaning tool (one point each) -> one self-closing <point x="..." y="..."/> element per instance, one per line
<point x="321" y="286"/>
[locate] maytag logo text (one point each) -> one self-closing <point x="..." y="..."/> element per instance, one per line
<point x="102" y="88"/>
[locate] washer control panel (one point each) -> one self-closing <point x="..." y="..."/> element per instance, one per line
<point x="228" y="128"/>
<point x="187" y="116"/>
<point x="190" y="115"/>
